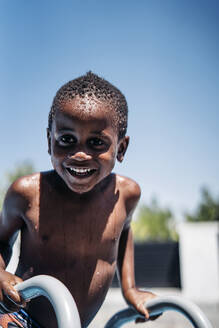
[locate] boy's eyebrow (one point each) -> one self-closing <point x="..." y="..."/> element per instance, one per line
<point x="100" y="132"/>
<point x="65" y="130"/>
<point x="58" y="133"/>
<point x="97" y="132"/>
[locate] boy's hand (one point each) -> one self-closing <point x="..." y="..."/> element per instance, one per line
<point x="137" y="299"/>
<point x="9" y="297"/>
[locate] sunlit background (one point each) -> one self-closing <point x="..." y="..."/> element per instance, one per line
<point x="163" y="55"/>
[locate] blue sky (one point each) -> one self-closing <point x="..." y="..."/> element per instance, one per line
<point x="163" y="55"/>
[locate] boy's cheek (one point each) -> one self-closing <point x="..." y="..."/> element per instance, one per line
<point x="56" y="158"/>
<point x="57" y="152"/>
<point x="108" y="157"/>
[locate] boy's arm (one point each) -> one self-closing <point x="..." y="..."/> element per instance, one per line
<point x="125" y="264"/>
<point x="125" y="261"/>
<point x="11" y="222"/>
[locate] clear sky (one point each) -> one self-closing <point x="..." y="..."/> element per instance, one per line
<point x="163" y="55"/>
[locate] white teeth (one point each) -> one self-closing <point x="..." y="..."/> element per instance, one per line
<point x="81" y="170"/>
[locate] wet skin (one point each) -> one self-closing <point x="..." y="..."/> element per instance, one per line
<point x="75" y="219"/>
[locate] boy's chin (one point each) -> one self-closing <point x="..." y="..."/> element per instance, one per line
<point x="83" y="186"/>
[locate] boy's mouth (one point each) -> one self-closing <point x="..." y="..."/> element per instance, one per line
<point x="80" y="171"/>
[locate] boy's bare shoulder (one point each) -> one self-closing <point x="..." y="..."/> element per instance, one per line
<point x="130" y="190"/>
<point x="22" y="191"/>
<point x="25" y="185"/>
<point x="129" y="187"/>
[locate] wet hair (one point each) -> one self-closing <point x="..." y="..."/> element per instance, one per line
<point x="93" y="85"/>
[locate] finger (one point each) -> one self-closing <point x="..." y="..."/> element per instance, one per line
<point x="9" y="291"/>
<point x="18" y="305"/>
<point x="141" y="308"/>
<point x="18" y="280"/>
<point x="22" y="302"/>
<point x="10" y="305"/>
<point x="13" y="303"/>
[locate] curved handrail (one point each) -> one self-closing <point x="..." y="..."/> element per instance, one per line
<point x="160" y="304"/>
<point x="68" y="316"/>
<point x="62" y="301"/>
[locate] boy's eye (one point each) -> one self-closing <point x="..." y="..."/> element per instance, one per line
<point x="96" y="143"/>
<point x="67" y="140"/>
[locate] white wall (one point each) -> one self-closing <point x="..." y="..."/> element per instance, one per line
<point x="199" y="261"/>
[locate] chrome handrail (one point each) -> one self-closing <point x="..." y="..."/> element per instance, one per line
<point x="159" y="305"/>
<point x="55" y="291"/>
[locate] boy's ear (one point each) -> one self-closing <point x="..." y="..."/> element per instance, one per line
<point x="123" y="145"/>
<point x="49" y="140"/>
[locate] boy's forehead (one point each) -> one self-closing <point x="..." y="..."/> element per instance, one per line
<point x="87" y="107"/>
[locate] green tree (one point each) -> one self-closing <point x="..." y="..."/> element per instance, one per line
<point x="154" y="223"/>
<point x="207" y="210"/>
<point x="23" y="168"/>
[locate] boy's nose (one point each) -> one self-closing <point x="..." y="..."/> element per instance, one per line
<point x="80" y="156"/>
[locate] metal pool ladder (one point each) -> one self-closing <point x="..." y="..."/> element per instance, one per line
<point x="67" y="312"/>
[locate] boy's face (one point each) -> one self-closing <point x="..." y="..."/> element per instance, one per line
<point x="83" y="143"/>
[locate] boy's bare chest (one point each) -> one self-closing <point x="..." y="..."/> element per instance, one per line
<point x="69" y="232"/>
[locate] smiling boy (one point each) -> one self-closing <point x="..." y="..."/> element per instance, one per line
<point x="75" y="219"/>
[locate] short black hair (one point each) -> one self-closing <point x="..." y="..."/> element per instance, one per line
<point x="91" y="84"/>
